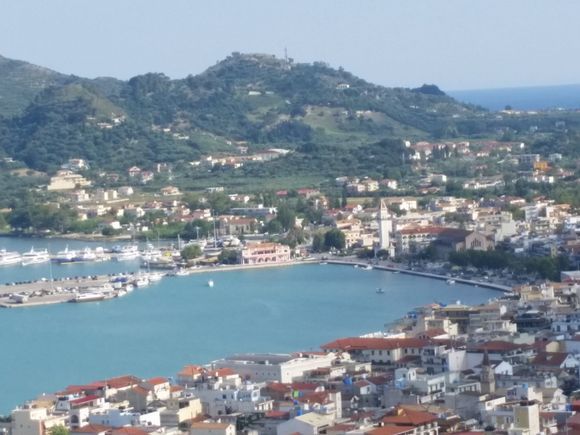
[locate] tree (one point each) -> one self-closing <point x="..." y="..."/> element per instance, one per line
<point x="286" y="217"/>
<point x="58" y="430"/>
<point x="334" y="239"/>
<point x="318" y="243"/>
<point x="190" y="252"/>
<point x="228" y="256"/>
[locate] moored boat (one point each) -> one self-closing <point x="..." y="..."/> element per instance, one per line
<point x="35" y="257"/>
<point x="8" y="258"/>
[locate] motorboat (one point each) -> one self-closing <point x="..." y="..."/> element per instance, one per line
<point x="380" y="291"/>
<point x="450" y="281"/>
<point x="85" y="255"/>
<point x="141" y="281"/>
<point x="35" y="257"/>
<point x="88" y="297"/>
<point x="127" y="253"/>
<point x="368" y="267"/>
<point x="210" y="283"/>
<point x="9" y="257"/>
<point x="155" y="276"/>
<point x="65" y="256"/>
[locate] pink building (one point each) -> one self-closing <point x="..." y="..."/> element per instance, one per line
<point x="262" y="253"/>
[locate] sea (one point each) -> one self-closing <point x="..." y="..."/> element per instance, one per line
<point x="523" y="98"/>
<point x="156" y="330"/>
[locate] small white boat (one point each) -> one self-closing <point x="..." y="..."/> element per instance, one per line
<point x="368" y="267"/>
<point x="141" y="281"/>
<point x="155" y="276"/>
<point x="380" y="291"/>
<point x="450" y="281"/>
<point x="88" y="297"/>
<point x="35" y="257"/>
<point x="210" y="283"/>
<point x="7" y="257"/>
<point x="356" y="266"/>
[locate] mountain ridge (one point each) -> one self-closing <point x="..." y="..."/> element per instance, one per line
<point x="252" y="98"/>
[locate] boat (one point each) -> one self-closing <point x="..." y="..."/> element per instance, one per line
<point x="88" y="297"/>
<point x="368" y="267"/>
<point x="356" y="266"/>
<point x="210" y="283"/>
<point x="127" y="253"/>
<point x="85" y="255"/>
<point x="65" y="256"/>
<point x="450" y="281"/>
<point x="380" y="291"/>
<point x="181" y="272"/>
<point x="7" y="257"/>
<point x="155" y="276"/>
<point x="35" y="257"/>
<point x="141" y="281"/>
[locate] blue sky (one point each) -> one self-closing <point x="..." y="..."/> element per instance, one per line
<point x="457" y="44"/>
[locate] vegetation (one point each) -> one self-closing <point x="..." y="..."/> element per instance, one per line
<point x="544" y="267"/>
<point x="191" y="252"/>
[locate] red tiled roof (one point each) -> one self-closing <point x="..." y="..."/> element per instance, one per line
<point x="191" y="371"/>
<point x="390" y="430"/>
<point x="498" y="346"/>
<point x="278" y="414"/>
<point x="129" y="431"/>
<point x="122" y="381"/>
<point x="91" y="428"/>
<point x="83" y="400"/>
<point x="551" y="359"/>
<point x="408" y="417"/>
<point x="362" y="343"/>
<point x="156" y="381"/>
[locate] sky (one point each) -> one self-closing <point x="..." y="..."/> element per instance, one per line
<point x="456" y="44"/>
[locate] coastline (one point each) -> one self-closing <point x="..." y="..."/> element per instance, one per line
<point x="90" y="281"/>
<point x="483" y="284"/>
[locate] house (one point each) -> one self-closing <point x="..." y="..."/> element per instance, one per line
<point x="219" y="428"/>
<point x="377" y="350"/>
<point x="554" y="361"/>
<point x="67" y="180"/>
<point x="284" y="368"/>
<point x="310" y="423"/>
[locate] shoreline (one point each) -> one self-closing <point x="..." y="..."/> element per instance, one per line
<point x="50" y="299"/>
<point x="483" y="284"/>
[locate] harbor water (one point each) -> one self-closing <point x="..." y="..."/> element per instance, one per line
<point x="156" y="330"/>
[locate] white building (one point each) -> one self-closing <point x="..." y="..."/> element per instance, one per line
<point x="274" y="367"/>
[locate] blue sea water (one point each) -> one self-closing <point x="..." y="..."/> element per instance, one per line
<point x="524" y="98"/>
<point x="180" y="320"/>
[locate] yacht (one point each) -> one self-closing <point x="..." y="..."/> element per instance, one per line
<point x="128" y="252"/>
<point x="85" y="255"/>
<point x="65" y="256"/>
<point x="141" y="281"/>
<point x="7" y="257"/>
<point x="35" y="257"/>
<point x="88" y="297"/>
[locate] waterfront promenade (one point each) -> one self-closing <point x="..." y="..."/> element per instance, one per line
<point x="46" y="292"/>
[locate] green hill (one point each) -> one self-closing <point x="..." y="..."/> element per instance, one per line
<point x="259" y="99"/>
<point x="20" y="82"/>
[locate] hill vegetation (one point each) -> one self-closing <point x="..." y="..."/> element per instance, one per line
<point x="258" y="100"/>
